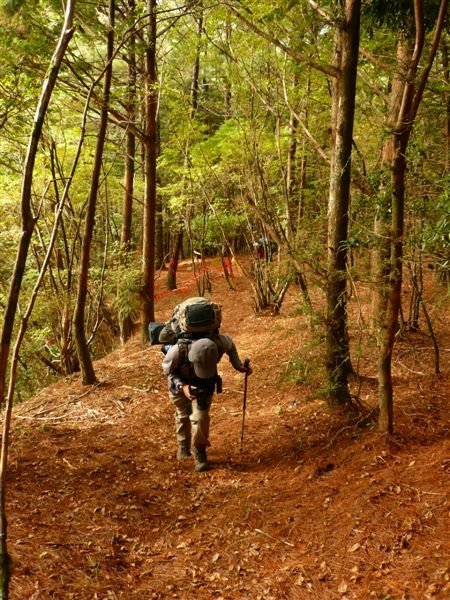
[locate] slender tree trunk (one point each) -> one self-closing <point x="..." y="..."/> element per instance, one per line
<point x="410" y="102"/>
<point x="446" y="97"/>
<point x="296" y="169"/>
<point x="87" y="369"/>
<point x="178" y="241"/>
<point x="227" y="97"/>
<point x="28" y="223"/>
<point x="381" y="252"/>
<point x="196" y="68"/>
<point x="159" y="228"/>
<point x="173" y="265"/>
<point x="148" y="275"/>
<point x="302" y="171"/>
<point x="130" y="144"/>
<point x="67" y="354"/>
<point x="337" y="347"/>
<point x="291" y="175"/>
<point x="126" y="323"/>
<point x="159" y="222"/>
<point x="127" y="208"/>
<point x="394" y="285"/>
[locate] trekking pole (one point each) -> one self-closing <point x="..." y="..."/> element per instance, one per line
<point x="246" y="365"/>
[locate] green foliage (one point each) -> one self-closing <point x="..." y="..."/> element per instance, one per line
<point x="11" y="6"/>
<point x="398" y="15"/>
<point x="270" y="13"/>
<point x="304" y="367"/>
<point x="9" y="237"/>
<point x="32" y="373"/>
<point x="436" y="234"/>
<point x="127" y="300"/>
<point x="124" y="284"/>
<point x="304" y="370"/>
<point x="210" y="229"/>
<point x="299" y="371"/>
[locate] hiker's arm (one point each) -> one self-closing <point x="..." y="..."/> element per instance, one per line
<point x="170" y="369"/>
<point x="229" y="348"/>
<point x="170" y="366"/>
<point x="170" y="361"/>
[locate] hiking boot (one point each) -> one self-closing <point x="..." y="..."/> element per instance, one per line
<point x="201" y="462"/>
<point x="183" y="453"/>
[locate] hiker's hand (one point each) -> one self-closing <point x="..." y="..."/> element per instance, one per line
<point x="247" y="370"/>
<point x="187" y="392"/>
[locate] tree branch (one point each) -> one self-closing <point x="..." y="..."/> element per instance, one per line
<point x="322" y="67"/>
<point x="434" y="46"/>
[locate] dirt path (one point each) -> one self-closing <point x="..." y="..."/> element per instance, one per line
<point x="312" y="508"/>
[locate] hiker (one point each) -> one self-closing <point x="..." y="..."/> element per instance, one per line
<point x="191" y="369"/>
<point x="227" y="261"/>
<point x="265" y="248"/>
<point x="260" y="248"/>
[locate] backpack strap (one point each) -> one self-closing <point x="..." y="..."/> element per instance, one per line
<point x="183" y="351"/>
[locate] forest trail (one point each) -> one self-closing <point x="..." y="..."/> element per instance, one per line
<point x="313" y="507"/>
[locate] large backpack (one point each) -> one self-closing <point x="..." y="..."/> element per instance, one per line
<point x="194" y="318"/>
<point x="197" y="315"/>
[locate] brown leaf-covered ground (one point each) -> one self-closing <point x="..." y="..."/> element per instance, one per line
<point x="314" y="506"/>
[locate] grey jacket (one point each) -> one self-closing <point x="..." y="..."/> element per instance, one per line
<point x="182" y="373"/>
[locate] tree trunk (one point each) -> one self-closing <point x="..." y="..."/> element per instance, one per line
<point x="410" y="102"/>
<point x="196" y="67"/>
<point x="291" y="175"/>
<point x="126" y="323"/>
<point x="446" y="97"/>
<point x="337" y="346"/>
<point x="178" y="242"/>
<point x="381" y="252"/>
<point x="159" y="223"/>
<point x="227" y="97"/>
<point x="394" y="285"/>
<point x="173" y="265"/>
<point x="87" y="369"/>
<point x="148" y="274"/>
<point x="159" y="232"/>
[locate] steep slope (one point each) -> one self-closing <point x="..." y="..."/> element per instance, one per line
<point x="313" y="507"/>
